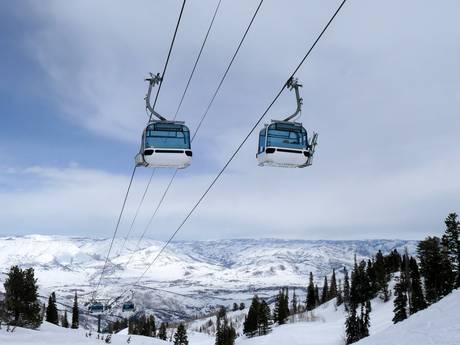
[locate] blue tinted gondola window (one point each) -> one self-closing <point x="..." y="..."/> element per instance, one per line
<point x="288" y="136"/>
<point x="171" y="136"/>
<point x="261" y="140"/>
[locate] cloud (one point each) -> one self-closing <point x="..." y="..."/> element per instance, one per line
<point x="86" y="202"/>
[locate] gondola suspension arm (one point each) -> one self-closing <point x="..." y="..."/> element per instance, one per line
<point x="293" y="83"/>
<point x="153" y="80"/>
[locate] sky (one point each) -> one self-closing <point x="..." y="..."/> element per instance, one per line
<point x="382" y="89"/>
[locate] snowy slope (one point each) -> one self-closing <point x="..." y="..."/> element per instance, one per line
<point x="49" y="334"/>
<point x="192" y="277"/>
<point x="439" y="324"/>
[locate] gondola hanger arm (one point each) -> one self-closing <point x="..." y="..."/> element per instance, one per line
<point x="293" y="84"/>
<point x="153" y="80"/>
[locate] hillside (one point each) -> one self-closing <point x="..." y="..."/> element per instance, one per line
<point x="191" y="277"/>
<point x="436" y="325"/>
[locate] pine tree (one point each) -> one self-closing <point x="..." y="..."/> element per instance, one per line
<point x="286" y="303"/>
<point x="311" y="295"/>
<point x="281" y="309"/>
<point x="325" y="292"/>
<point x="263" y="318"/>
<point x="393" y="261"/>
<point x="21" y="303"/>
<point x="51" y="310"/>
<point x="447" y="272"/>
<point x="372" y="277"/>
<point x="75" y="313"/>
<point x="65" y="321"/>
<point x="225" y="332"/>
<point x="400" y="303"/>
<point x="417" y="301"/>
<point x="152" y="325"/>
<point x="162" y="332"/>
<point x="352" y="327"/>
<point x="235" y="307"/>
<point x="381" y="276"/>
<point x="294" y="303"/>
<point x="451" y="241"/>
<point x="333" y="287"/>
<point x="251" y="322"/>
<point x="180" y="337"/>
<point x="431" y="260"/>
<point x="317" y="299"/>
<point x="339" y="294"/>
<point x="365" y="319"/>
<point x="346" y="290"/>
<point x="357" y="326"/>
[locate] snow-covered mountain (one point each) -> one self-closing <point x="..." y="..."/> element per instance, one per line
<point x="190" y="277"/>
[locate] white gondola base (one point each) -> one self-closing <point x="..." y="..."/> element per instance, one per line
<point x="283" y="158"/>
<point x="164" y="158"/>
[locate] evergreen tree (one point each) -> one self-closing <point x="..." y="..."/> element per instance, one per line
<point x="317" y="300"/>
<point x="311" y="295"/>
<point x="451" y="241"/>
<point x="51" y="310"/>
<point x="221" y="312"/>
<point x="365" y="321"/>
<point x="371" y="275"/>
<point x="180" y="337"/>
<point x="352" y="327"/>
<point x="417" y="301"/>
<point x="393" y="261"/>
<point x="325" y="292"/>
<point x="333" y="287"/>
<point x="21" y="304"/>
<point x="400" y="303"/>
<point x="225" y="332"/>
<point x="339" y="294"/>
<point x="264" y="318"/>
<point x="286" y="303"/>
<point x="431" y="261"/>
<point x="75" y="313"/>
<point x="357" y="326"/>
<point x="447" y="272"/>
<point x="251" y="322"/>
<point x="235" y="307"/>
<point x="162" y="332"/>
<point x="360" y="286"/>
<point x="381" y="276"/>
<point x="152" y="325"/>
<point x="281" y="309"/>
<point x="65" y="321"/>
<point x="346" y="290"/>
<point x="294" y="303"/>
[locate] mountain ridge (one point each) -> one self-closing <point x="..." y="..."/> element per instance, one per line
<point x="190" y="276"/>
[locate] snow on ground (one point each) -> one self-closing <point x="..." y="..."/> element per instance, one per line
<point x="50" y="334"/>
<point x="439" y="324"/>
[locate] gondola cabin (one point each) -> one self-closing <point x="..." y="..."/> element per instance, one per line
<point x="128" y="307"/>
<point x="165" y="144"/>
<point x="96" y="308"/>
<point x="285" y="144"/>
